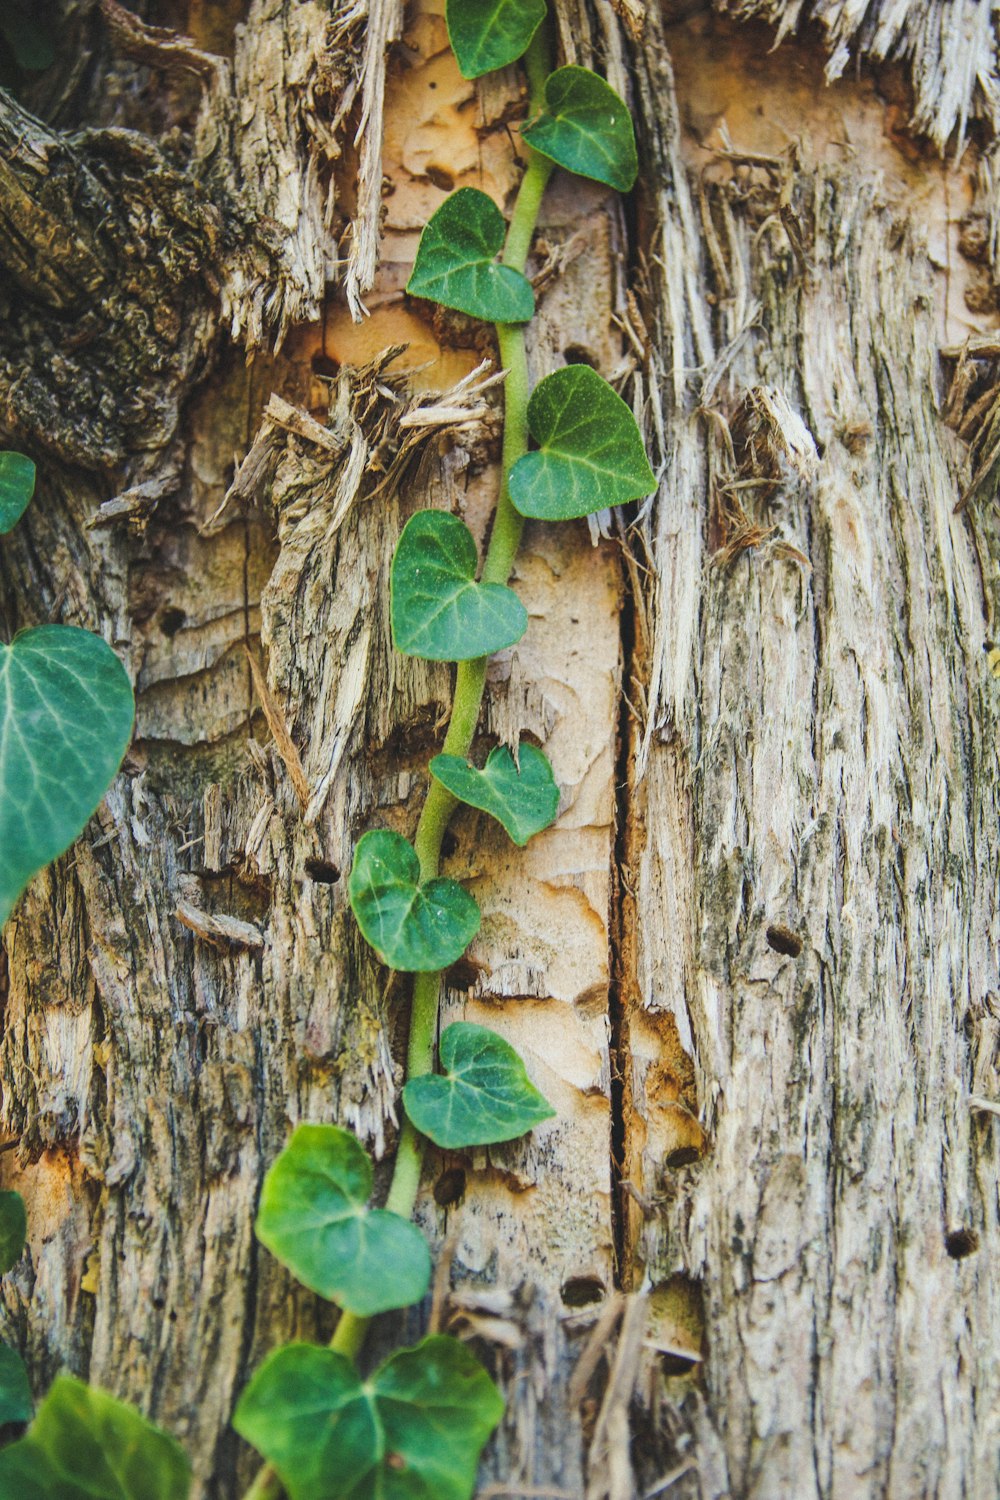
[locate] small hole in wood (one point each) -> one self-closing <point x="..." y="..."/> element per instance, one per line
<point x="684" y="1156"/>
<point x="441" y="178"/>
<point x="582" y="1291"/>
<point x="449" y="1187"/>
<point x="579" y="354"/>
<point x="322" y="871"/>
<point x="961" y="1242"/>
<point x="324" y="365"/>
<point x="171" y="621"/>
<point x="463" y="974"/>
<point x="448" y="845"/>
<point x="676" y="1364"/>
<point x="783" y="940"/>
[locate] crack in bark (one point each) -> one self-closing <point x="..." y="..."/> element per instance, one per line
<point x="621" y="982"/>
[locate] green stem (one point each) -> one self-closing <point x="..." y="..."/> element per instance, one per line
<point x="470" y="676"/>
<point x="470" y="684"/>
<point x="538" y="66"/>
<point x="525" y="215"/>
<point x="267" y="1486"/>
<point x="507" y="523"/>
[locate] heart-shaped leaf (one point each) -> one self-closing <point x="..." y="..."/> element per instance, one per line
<point x="413" y="927"/>
<point x="456" y="262"/>
<point x="313" y="1217"/>
<point x="586" y="128"/>
<point x="84" y="1445"/>
<point x="26" y="35"/>
<point x="13" y="1229"/>
<point x="308" y="1413"/>
<point x="17" y="485"/>
<point x="483" y="1096"/>
<point x="489" y="34"/>
<point x="438" y="609"/>
<point x="525" y="800"/>
<point x="590" y="452"/>
<point x="66" y="711"/>
<point x="16" y="1404"/>
<point x="413" y="1431"/>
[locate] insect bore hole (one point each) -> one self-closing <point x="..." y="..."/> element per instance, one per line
<point x="673" y="1363"/>
<point x="448" y="845"/>
<point x="449" y="1187"/>
<point x="323" y="871"/>
<point x="961" y="1242"/>
<point x="579" y="354"/>
<point x="441" y="177"/>
<point x="683" y="1156"/>
<point x="324" y="365"/>
<point x="171" y="621"/>
<point x="582" y="1291"/>
<point x="783" y="940"/>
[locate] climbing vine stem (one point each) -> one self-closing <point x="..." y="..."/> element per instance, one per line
<point x="589" y="455"/>
<point x="470" y="676"/>
<point x="470" y="684"/>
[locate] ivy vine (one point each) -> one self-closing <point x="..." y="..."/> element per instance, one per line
<point x="416" y="1426"/>
<point x="588" y="454"/>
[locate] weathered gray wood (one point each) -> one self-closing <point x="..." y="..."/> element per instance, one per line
<point x="815" y="831"/>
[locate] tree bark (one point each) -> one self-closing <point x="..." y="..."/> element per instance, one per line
<point x="754" y="963"/>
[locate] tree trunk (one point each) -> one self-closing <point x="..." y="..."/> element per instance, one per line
<point x="754" y="963"/>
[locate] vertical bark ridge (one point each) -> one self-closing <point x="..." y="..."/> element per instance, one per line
<point x="820" y="767"/>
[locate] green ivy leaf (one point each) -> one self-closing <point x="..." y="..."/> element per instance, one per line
<point x="438" y="1406"/>
<point x="413" y="927"/>
<point x="308" y="1413"/>
<point x="590" y="452"/>
<point x="26" y="37"/>
<point x="413" y="1431"/>
<point x="489" y="34"/>
<point x="16" y="1404"/>
<point x="524" y="800"/>
<point x="13" y="1230"/>
<point x="313" y="1217"/>
<point x="456" y="262"/>
<point x="438" y="609"/>
<point x="586" y="128"/>
<point x="483" y="1096"/>
<point x="66" y="712"/>
<point x="85" y="1445"/>
<point x="17" y="485"/>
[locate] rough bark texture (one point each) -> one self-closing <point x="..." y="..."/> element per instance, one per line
<point x="821" y="753"/>
<point x="754" y="964"/>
